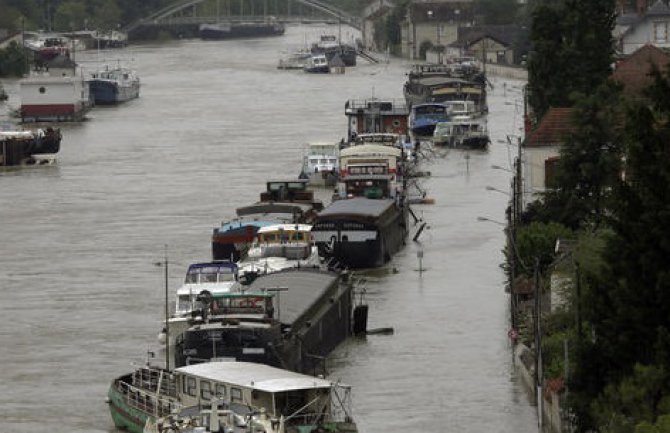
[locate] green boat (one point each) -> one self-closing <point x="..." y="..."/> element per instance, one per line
<point x="263" y="398"/>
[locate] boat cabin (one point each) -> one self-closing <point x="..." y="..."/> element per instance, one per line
<point x="279" y="393"/>
<point x="214" y="277"/>
<point x="321" y="157"/>
<point x="294" y="190"/>
<point x="376" y="116"/>
<point x="374" y="159"/>
<point x="292" y="241"/>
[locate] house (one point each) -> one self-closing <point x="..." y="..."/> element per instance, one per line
<point x="376" y="10"/>
<point x="431" y="23"/>
<point x="646" y="26"/>
<point x="499" y="44"/>
<point x="633" y="71"/>
<point x="541" y="151"/>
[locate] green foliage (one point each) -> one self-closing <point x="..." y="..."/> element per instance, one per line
<point x="590" y="160"/>
<point x="622" y="377"/>
<point x="497" y="11"/>
<point x="538" y="241"/>
<point x="572" y="51"/>
<point x="13" y="61"/>
<point x="636" y="398"/>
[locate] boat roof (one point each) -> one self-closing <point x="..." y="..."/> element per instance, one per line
<point x="257" y="376"/>
<point x="371" y="149"/>
<point x="244" y="222"/>
<point x="212" y="287"/>
<point x="273" y="207"/>
<point x="217" y="266"/>
<point x="306" y="287"/>
<point x="441" y="80"/>
<point x="357" y="205"/>
<point x="286" y="227"/>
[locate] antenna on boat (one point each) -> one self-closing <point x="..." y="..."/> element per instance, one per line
<point x="164" y="264"/>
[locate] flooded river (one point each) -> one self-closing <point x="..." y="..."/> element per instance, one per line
<point x="82" y="297"/>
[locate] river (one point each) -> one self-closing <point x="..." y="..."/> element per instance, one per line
<point x="83" y="297"/>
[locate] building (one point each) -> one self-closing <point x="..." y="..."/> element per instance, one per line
<point x="431" y="23"/>
<point x="494" y="44"/>
<point x="542" y="149"/>
<point x="647" y="25"/>
<point x="376" y="10"/>
<point x="633" y="71"/>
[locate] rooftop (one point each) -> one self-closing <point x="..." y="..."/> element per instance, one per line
<point x="553" y="128"/>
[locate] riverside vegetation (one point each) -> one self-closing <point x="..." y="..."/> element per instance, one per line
<point x="612" y="198"/>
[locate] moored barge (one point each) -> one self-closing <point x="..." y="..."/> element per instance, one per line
<point x="288" y="319"/>
<point x="283" y="201"/>
<point x="361" y="232"/>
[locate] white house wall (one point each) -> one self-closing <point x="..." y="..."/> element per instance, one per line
<point x="533" y="170"/>
<point x="643" y="34"/>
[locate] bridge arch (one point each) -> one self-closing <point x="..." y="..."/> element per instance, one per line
<point x="181" y="5"/>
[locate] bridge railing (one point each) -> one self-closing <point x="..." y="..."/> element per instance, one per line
<point x="163" y="14"/>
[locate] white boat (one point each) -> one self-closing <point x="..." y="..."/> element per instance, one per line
<point x="294" y="60"/>
<point x="208" y="279"/>
<point x="277" y="247"/>
<point x="244" y="396"/>
<point x="59" y="94"/>
<point x="320" y="163"/>
<point x="463" y="132"/>
<point x="317" y="64"/>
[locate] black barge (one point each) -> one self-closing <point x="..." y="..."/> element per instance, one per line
<point x="289" y="319"/>
<point x="360" y="232"/>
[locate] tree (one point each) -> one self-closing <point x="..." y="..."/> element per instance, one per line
<point x="628" y="304"/>
<point x="70" y="15"/>
<point x="590" y="159"/>
<point x="572" y="49"/>
<point x="497" y="11"/>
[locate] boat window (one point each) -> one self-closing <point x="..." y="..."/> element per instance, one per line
<point x="205" y="390"/>
<point x="220" y="390"/>
<point x="228" y="276"/>
<point x="208" y="278"/>
<point x="323" y="161"/>
<point x="191" y="277"/>
<point x="183" y="303"/>
<point x="190" y="386"/>
<point x="235" y="394"/>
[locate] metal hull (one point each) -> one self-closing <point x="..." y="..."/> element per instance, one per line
<point x="124" y="416"/>
<point x="106" y="92"/>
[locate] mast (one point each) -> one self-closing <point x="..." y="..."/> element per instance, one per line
<point x="167" y="318"/>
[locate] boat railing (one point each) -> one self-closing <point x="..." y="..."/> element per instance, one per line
<point x="391" y="106"/>
<point x="147" y="401"/>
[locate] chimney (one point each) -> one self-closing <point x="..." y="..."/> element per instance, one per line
<point x="641" y="7"/>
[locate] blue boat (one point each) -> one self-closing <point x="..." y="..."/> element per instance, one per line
<point x="114" y="85"/>
<point x="424" y="117"/>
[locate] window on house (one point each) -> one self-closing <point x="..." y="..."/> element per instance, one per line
<point x="550" y="172"/>
<point x="660" y="32"/>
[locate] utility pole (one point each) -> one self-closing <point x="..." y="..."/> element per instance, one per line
<point x="167" y="317"/>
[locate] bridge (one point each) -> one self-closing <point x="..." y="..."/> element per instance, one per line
<point x="196" y="12"/>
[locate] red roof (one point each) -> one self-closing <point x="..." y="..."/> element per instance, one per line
<point x="553" y="128"/>
<point x="633" y="71"/>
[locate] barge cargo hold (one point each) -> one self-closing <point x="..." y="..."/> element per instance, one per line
<point x="289" y="319"/>
<point x="360" y="232"/>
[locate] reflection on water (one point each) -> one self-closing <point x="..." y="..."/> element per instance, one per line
<point x="82" y="298"/>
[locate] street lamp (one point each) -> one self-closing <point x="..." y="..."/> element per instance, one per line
<point x="431" y="15"/>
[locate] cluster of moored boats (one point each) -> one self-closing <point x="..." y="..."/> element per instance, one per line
<point x="59" y="90"/>
<point x="278" y="294"/>
<point x="448" y="104"/>
<point x="327" y="55"/>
